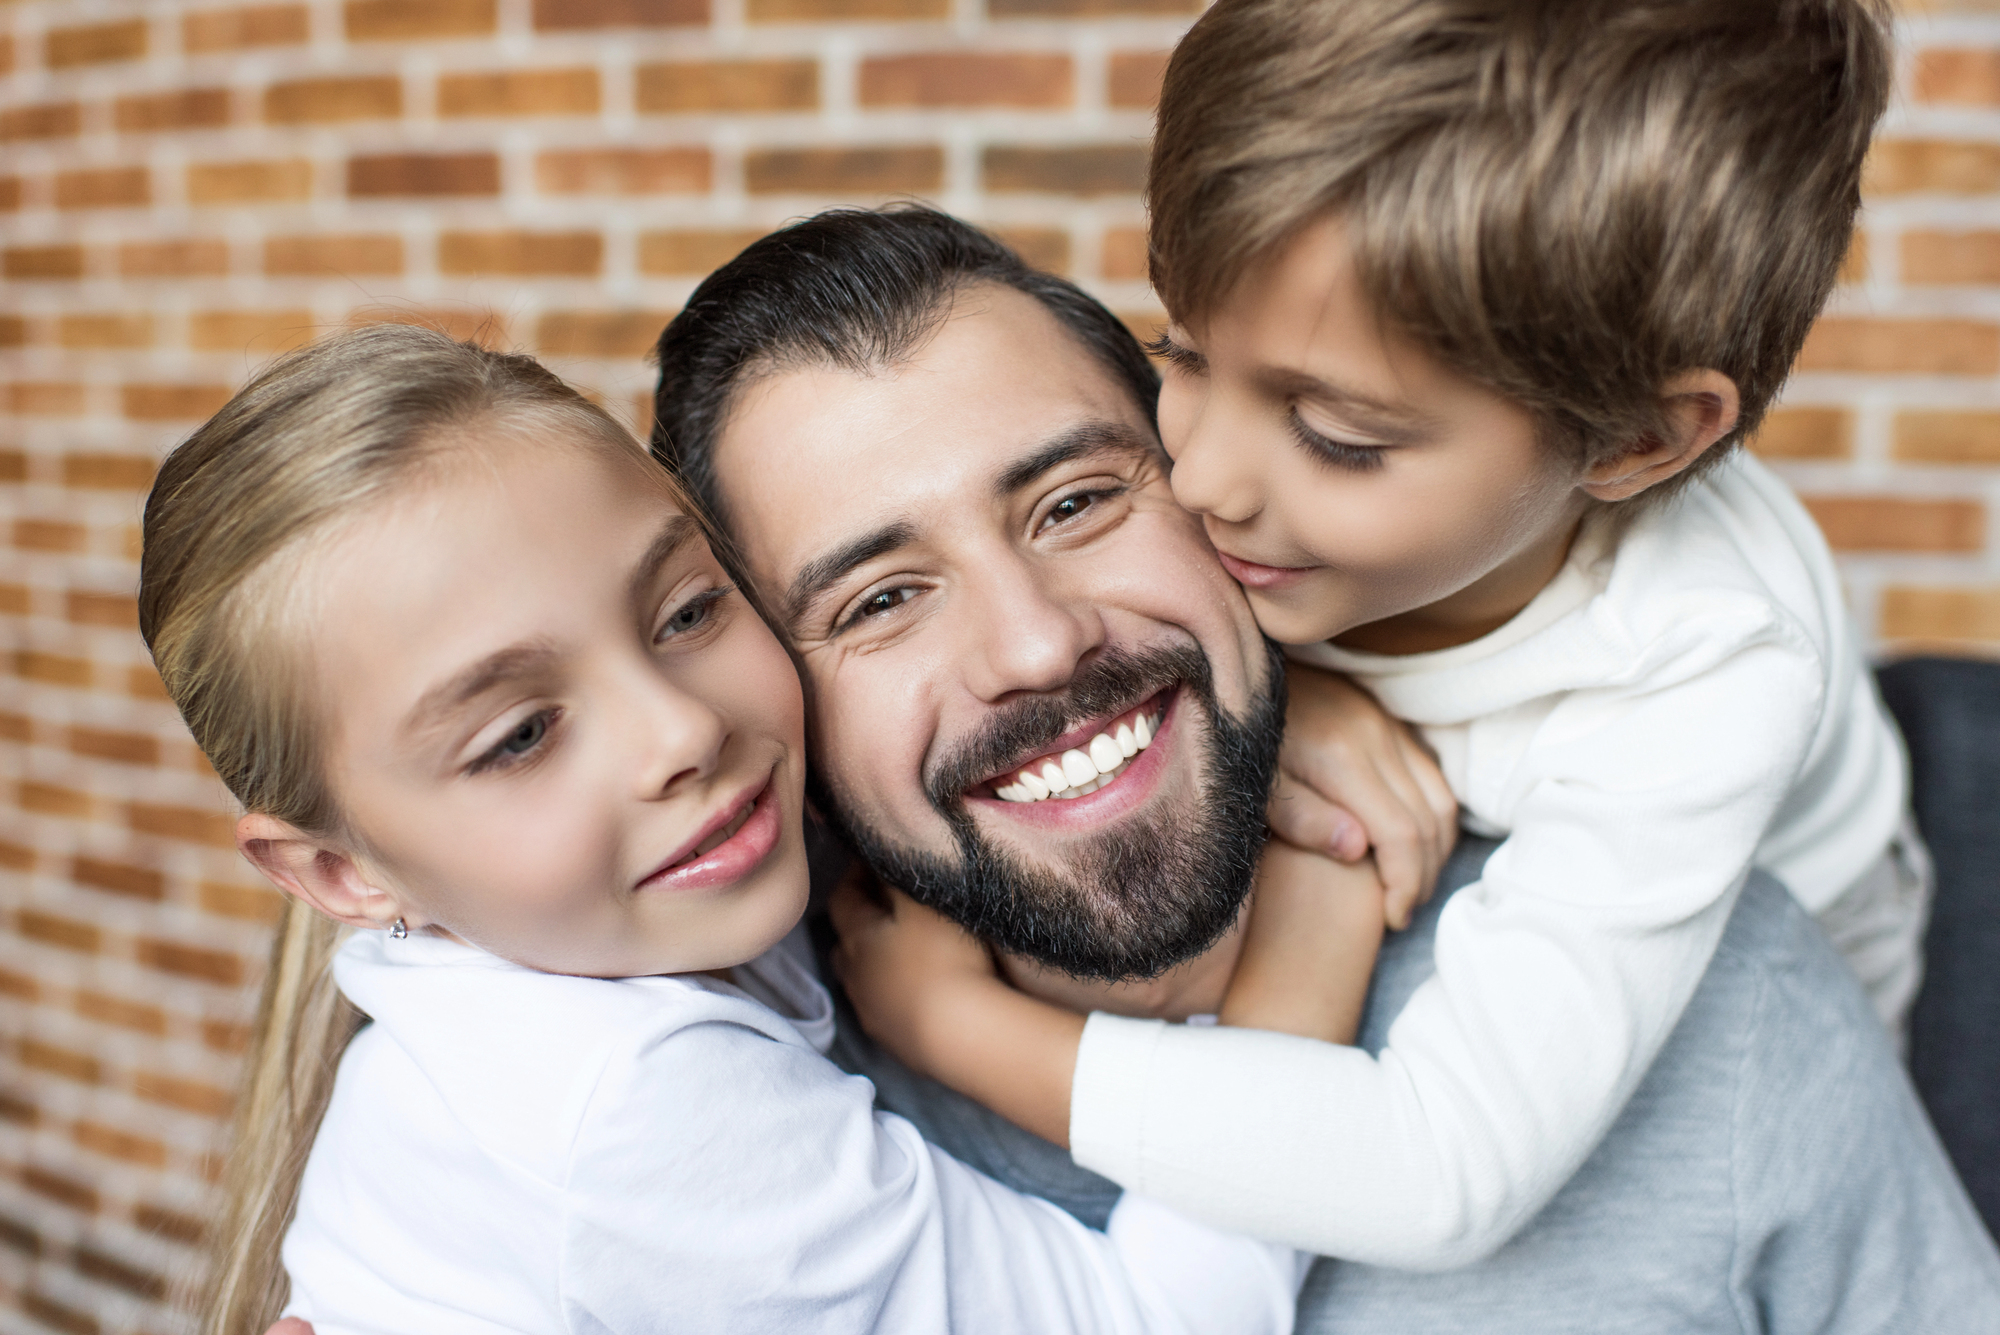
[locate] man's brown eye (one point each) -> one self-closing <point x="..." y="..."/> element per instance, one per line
<point x="885" y="601"/>
<point x="1070" y="507"/>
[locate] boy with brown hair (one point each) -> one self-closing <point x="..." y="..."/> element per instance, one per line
<point x="1471" y="301"/>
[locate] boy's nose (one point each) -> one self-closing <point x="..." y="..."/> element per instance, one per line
<point x="1214" y="475"/>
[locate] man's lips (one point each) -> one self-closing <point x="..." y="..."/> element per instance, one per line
<point x="1083" y="759"/>
<point x="729" y="846"/>
<point x="1252" y="575"/>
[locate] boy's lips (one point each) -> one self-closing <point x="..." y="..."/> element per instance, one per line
<point x="728" y="847"/>
<point x="1252" y="575"/>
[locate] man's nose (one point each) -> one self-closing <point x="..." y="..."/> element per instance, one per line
<point x="676" y="738"/>
<point x="1024" y="633"/>
<point x="1214" y="471"/>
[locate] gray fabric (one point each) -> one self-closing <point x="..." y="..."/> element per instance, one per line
<point x="1949" y="710"/>
<point x="1773" y="1172"/>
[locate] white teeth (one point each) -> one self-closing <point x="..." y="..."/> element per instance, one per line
<point x="713" y="841"/>
<point x="1032" y="784"/>
<point x="1077" y="769"/>
<point x="1128" y="745"/>
<point x="1104" y="754"/>
<point x="1012" y="792"/>
<point x="1142" y="731"/>
<point x="1080" y="771"/>
<point x="1053" y="776"/>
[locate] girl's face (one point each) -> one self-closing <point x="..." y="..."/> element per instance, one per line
<point x="554" y="728"/>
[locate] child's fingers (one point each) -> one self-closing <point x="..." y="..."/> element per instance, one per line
<point x="1301" y="817"/>
<point x="291" y="1325"/>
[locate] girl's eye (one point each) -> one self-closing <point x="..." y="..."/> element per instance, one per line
<point x="525" y="739"/>
<point x="691" y="615"/>
<point x="1341" y="454"/>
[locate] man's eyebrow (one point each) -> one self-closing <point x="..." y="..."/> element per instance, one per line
<point x="823" y="572"/>
<point x="675" y="534"/>
<point x="1079" y="442"/>
<point x="526" y="659"/>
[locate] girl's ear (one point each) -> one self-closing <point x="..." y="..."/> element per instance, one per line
<point x="1701" y="407"/>
<point x="314" y="871"/>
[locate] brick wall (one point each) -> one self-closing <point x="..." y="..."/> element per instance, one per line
<point x="188" y="188"/>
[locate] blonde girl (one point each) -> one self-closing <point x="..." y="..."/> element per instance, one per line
<point x="498" y="719"/>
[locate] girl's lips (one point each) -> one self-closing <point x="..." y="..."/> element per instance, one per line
<point x="1253" y="576"/>
<point x="732" y="859"/>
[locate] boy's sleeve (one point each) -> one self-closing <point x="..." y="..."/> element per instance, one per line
<point x="723" y="1180"/>
<point x="1559" y="976"/>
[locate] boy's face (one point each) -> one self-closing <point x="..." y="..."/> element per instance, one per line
<point x="1357" y="488"/>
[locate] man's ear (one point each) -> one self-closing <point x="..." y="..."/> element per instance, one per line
<point x="318" y="873"/>
<point x="1700" y="408"/>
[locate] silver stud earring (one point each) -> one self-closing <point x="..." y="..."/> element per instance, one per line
<point x="399" y="931"/>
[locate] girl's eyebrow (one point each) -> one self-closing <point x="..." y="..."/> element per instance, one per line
<point x="676" y="533"/>
<point x="435" y="708"/>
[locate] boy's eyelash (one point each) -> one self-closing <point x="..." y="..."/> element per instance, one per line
<point x="1182" y="359"/>
<point x="1338" y="453"/>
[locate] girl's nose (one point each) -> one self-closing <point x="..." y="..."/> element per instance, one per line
<point x="677" y="739"/>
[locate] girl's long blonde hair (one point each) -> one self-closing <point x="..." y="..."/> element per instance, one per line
<point x="312" y="439"/>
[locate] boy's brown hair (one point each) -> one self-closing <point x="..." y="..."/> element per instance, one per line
<point x="1568" y="201"/>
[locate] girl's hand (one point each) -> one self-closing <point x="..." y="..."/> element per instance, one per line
<point x="927" y="991"/>
<point x="1309" y="950"/>
<point x="1351" y="779"/>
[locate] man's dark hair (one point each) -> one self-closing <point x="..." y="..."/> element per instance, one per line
<point x="856" y="289"/>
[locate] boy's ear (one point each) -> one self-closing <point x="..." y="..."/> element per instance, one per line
<point x="1700" y="408"/>
<point x="316" y="872"/>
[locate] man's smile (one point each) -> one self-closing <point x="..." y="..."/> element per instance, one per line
<point x="1085" y="759"/>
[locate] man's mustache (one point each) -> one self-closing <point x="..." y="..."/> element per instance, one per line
<point x="1110" y="684"/>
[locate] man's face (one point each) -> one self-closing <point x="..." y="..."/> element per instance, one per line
<point x="982" y="567"/>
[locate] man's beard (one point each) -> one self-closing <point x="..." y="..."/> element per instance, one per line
<point x="1152" y="892"/>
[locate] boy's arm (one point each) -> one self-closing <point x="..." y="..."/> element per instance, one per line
<point x="1309" y="949"/>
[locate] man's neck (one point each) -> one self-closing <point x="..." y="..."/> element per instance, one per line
<point x="1193" y="988"/>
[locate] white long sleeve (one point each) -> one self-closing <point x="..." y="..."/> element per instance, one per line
<point x="514" y="1151"/>
<point x="1680" y="706"/>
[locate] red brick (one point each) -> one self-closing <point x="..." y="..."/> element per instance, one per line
<point x="17" y="728"/>
<point x="54" y="669"/>
<point x="111" y="472"/>
<point x="423" y="174"/>
<point x="1951" y="257"/>
<point x="1918" y="347"/>
<point x="1936" y="166"/>
<point x="105" y="188"/>
<point x="13" y="466"/>
<point x="249" y="182"/>
<point x="1045" y="248"/>
<point x="71" y="1065"/>
<point x="1947" y="437"/>
<point x="1967" y="78"/>
<point x="222" y="1036"/>
<point x="97" y="44"/>
<point x="187" y="109"/>
<point x="569" y="15"/>
<point x="58" y="1315"/>
<point x="1090" y="169"/>
<point x="173" y="403"/>
<point x="1132" y="78"/>
<point x="56" y="1187"/>
<point x="1072" y="9"/>
<point x="10" y="194"/>
<point x="94" y="1264"/>
<point x="19" y="1111"/>
<point x="1124" y="254"/>
<point x="968" y="79"/>
<point x="47" y="120"/>
<point x="139" y="1016"/>
<point x="42" y="399"/>
<point x="624" y="171"/>
<point x="105" y="331"/>
<point x="251" y="903"/>
<point x="102" y="609"/>
<point x="727" y="85"/>
<point x="119" y="879"/>
<point x="6" y="53"/>
<point x="196" y="827"/>
<point x="692" y="251"/>
<point x="173" y="259"/>
<point x="53" y="800"/>
<point x="66" y="933"/>
<point x="19" y="985"/>
<point x="1944" y="616"/>
<point x="333" y="256"/>
<point x="1899" y="524"/>
<point x="824" y="11"/>
<point x="14" y="599"/>
<point x="252" y="25"/>
<point x="172" y="1224"/>
<point x="260" y="332"/>
<point x="600" y="333"/>
<point x="49" y="535"/>
<point x="307" y="101"/>
<point x="116" y="1144"/>
<point x="915" y="169"/>
<point x="130" y="748"/>
<point x="405" y="20"/>
<point x="42" y="262"/>
<point x="476" y="254"/>
<point x="1805" y="433"/>
<point x="566" y="92"/>
<point x="191" y="1095"/>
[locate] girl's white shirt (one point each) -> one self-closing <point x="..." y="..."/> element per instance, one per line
<point x="1683" y="702"/>
<point x="508" y="1150"/>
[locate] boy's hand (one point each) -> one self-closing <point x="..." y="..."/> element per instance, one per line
<point x="1352" y="779"/>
